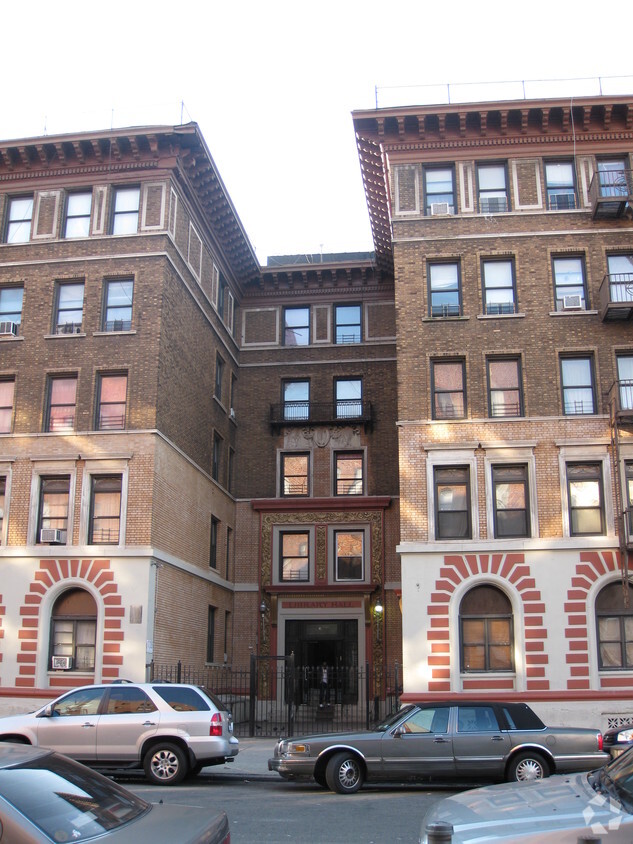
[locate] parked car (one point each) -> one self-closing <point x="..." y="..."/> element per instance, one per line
<point x="618" y="739"/>
<point x="46" y="797"/>
<point x="169" y="730"/>
<point x="442" y="741"/>
<point x="596" y="806"/>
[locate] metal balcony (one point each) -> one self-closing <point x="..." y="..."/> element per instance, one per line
<point x="309" y="414"/>
<point x="621" y="394"/>
<point x="616" y="297"/>
<point x="611" y="194"/>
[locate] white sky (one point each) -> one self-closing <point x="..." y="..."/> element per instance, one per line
<point x="272" y="84"/>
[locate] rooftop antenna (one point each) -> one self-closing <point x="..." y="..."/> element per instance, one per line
<point x="321" y="247"/>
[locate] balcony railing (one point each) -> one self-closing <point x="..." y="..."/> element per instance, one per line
<point x="621" y="393"/>
<point x="611" y="194"/>
<point x="616" y="297"/>
<point x="343" y="412"/>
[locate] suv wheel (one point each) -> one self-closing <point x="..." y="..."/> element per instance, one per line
<point x="165" y="764"/>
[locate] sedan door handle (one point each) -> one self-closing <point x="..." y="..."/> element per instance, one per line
<point x="88" y="724"/>
<point x="149" y="723"/>
<point x="497" y="738"/>
<point x="440" y="740"/>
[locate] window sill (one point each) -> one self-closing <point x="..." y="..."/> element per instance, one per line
<point x="112" y="333"/>
<point x="443" y="319"/>
<point x="64" y="336"/>
<point x="569" y="313"/>
<point x="519" y="315"/>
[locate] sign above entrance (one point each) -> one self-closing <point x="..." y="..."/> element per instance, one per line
<point x="320" y="605"/>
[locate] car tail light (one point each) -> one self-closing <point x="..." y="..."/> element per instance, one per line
<point x="215" y="728"/>
<point x="600" y="742"/>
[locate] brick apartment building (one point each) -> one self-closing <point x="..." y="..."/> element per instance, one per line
<point x="197" y="454"/>
<point x="509" y="227"/>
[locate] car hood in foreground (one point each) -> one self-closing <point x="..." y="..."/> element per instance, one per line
<point x="175" y="822"/>
<point x="556" y="809"/>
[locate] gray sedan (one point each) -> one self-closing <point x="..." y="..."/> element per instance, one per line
<point x="442" y="741"/>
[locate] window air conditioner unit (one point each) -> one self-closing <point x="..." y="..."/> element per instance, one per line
<point x="232" y="414"/>
<point x="571" y="302"/>
<point x="440" y="208"/>
<point x="9" y="328"/>
<point x="62" y="663"/>
<point x="53" y="536"/>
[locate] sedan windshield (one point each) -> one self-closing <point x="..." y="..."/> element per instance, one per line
<point x="67" y="801"/>
<point x="616" y="779"/>
<point x="394" y="718"/>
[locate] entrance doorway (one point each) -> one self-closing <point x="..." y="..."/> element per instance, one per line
<point x="330" y="641"/>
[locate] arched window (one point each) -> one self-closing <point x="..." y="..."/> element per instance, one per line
<point x="614" y="622"/>
<point x="486" y="630"/>
<point x="73" y="631"/>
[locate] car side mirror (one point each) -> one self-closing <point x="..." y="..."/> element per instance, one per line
<point x="47" y="712"/>
<point x="399" y="731"/>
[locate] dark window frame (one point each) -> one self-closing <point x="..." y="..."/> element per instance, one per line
<point x="299" y="332"/>
<point x="435" y="393"/>
<point x="442" y="310"/>
<point x="7" y="410"/>
<point x="488" y="204"/>
<point x="220" y="365"/>
<point x="356" y="335"/>
<point x="17" y="221"/>
<point x="338" y="558"/>
<point x="101" y="404"/>
<point x="211" y="612"/>
<point x="563" y="196"/>
<point x="593" y="471"/>
<point x="72" y="217"/>
<point x="340" y="457"/>
<point x="295" y="408"/>
<point x="497" y="308"/>
<point x="560" y="287"/>
<point x="490" y="620"/>
<point x="430" y="197"/>
<point x="122" y="321"/>
<point x="519" y="406"/>
<point x="566" y="389"/>
<point x="621" y="615"/>
<point x="285" y="488"/>
<point x="301" y="578"/>
<point x="442" y="478"/>
<point x="124" y="214"/>
<point x="47" y="484"/>
<point x="105" y="484"/>
<point x="213" y="542"/>
<point x="52" y="379"/>
<point x="497" y="474"/>
<point x="72" y="327"/>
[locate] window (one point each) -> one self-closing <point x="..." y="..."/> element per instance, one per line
<point x="3" y="492"/>
<point x="78" y="207"/>
<point x="232" y="395"/>
<point x="620" y="271"/>
<point x="476" y="719"/>
<point x="210" y="633"/>
<point x="586" y="500"/>
<point x="296" y="326"/>
<point x="105" y="510"/>
<point x="614" y="620"/>
<point x="11" y="309"/>
<point x="452" y="502"/>
<point x="7" y="390"/>
<point x="499" y="288"/>
<point x="62" y="392"/>
<point x="625" y="381"/>
<point x="222" y="286"/>
<point x="349" y="398"/>
<point x="347" y="327"/>
<point x="295" y="478"/>
<point x="449" y="389"/>
<point x="560" y="185"/>
<point x="493" y="192"/>
<point x="229" y="546"/>
<point x="612" y="177"/>
<point x="217" y="456"/>
<point x="19" y="216"/>
<point x="117" y="311"/>
<point x="445" y="295"/>
<point x="111" y="402"/>
<point x="505" y="397"/>
<point x="53" y="509"/>
<point x="510" y="496"/>
<point x="628" y="476"/>
<point x="569" y="283"/>
<point x="127" y="700"/>
<point x="296" y="399"/>
<point x="294" y="562"/>
<point x="73" y="635"/>
<point x="439" y="190"/>
<point x="578" y="386"/>
<point x="213" y="543"/>
<point x="69" y="308"/>
<point x="125" y="210"/>
<point x="219" y="371"/>
<point x="349" y="473"/>
<point x="486" y="630"/>
<point x="229" y="470"/>
<point x="349" y="555"/>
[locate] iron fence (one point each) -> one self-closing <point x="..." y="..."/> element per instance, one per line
<point x="275" y="697"/>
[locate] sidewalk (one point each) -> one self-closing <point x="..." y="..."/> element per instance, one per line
<point x="252" y="760"/>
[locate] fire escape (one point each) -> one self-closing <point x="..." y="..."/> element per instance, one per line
<point x="621" y="424"/>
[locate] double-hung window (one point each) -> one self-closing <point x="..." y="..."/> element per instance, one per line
<point x="560" y="185"/>
<point x="614" y="620"/>
<point x="570" y="290"/>
<point x="628" y="480"/>
<point x="219" y="372"/>
<point x="505" y="397"/>
<point x="349" y="561"/>
<point x="62" y="398"/>
<point x="439" y="190"/>
<point x="296" y="400"/>
<point x="117" y="306"/>
<point x="445" y="294"/>
<point x="620" y="272"/>
<point x="612" y="177"/>
<point x="69" y="307"/>
<point x="579" y="395"/>
<point x="448" y="387"/>
<point x="625" y="381"/>
<point x="211" y="613"/>
<point x="19" y="216"/>
<point x="111" y="401"/>
<point x="52" y="523"/>
<point x="3" y="491"/>
<point x="347" y="324"/>
<point x="452" y="502"/>
<point x="499" y="290"/>
<point x="296" y="326"/>
<point x="11" y="309"/>
<point x="216" y="458"/>
<point x="295" y="474"/>
<point x="78" y="208"/>
<point x="7" y="391"/>
<point x="486" y="630"/>
<point x="105" y="510"/>
<point x="213" y="542"/>
<point x="349" y="398"/>
<point x="349" y="473"/>
<point x="294" y="561"/>
<point x="586" y="499"/>
<point x="511" y="501"/>
<point x="125" y="210"/>
<point x="493" y="191"/>
<point x="73" y="638"/>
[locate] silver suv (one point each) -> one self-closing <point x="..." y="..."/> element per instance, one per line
<point x="168" y="729"/>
